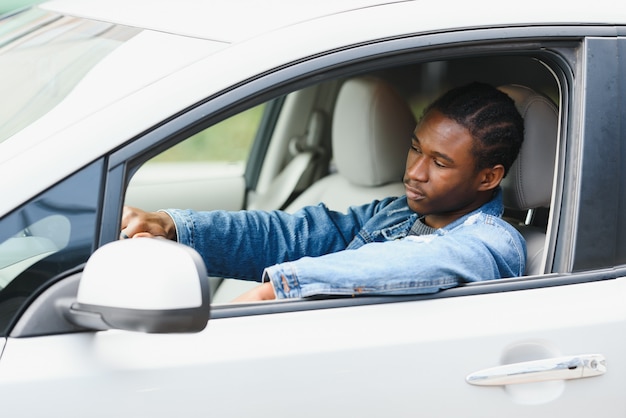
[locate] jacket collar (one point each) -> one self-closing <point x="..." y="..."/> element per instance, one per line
<point x="494" y="207"/>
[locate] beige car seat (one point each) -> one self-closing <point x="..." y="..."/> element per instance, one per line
<point x="371" y="132"/>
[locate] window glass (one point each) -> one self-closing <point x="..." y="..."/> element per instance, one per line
<point x="49" y="235"/>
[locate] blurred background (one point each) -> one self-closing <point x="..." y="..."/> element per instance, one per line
<point x="10" y="5"/>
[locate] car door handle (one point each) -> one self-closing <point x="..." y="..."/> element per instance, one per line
<point x="558" y="368"/>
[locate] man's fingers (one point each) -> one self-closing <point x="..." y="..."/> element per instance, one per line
<point x="139" y="223"/>
<point x="127" y="214"/>
<point x="147" y="235"/>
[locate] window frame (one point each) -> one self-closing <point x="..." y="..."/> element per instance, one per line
<point x="560" y="51"/>
<point x="592" y="176"/>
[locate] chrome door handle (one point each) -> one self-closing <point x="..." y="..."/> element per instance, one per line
<point x="559" y="368"/>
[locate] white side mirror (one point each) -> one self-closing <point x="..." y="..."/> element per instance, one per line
<point x="144" y="284"/>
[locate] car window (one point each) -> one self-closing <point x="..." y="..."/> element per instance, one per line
<point x="52" y="233"/>
<point x="417" y="83"/>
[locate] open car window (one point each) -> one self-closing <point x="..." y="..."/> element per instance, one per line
<point x="418" y="84"/>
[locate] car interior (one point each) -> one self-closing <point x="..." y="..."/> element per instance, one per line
<point x="342" y="142"/>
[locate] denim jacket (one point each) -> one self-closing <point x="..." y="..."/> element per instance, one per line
<point x="302" y="254"/>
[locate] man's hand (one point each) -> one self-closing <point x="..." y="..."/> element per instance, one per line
<point x="264" y="291"/>
<point x="138" y="223"/>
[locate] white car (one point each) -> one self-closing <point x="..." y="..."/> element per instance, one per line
<point x="275" y="105"/>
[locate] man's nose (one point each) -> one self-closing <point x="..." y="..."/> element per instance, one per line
<point x="417" y="168"/>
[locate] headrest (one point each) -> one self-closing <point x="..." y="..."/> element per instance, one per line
<point x="371" y="132"/>
<point x="529" y="181"/>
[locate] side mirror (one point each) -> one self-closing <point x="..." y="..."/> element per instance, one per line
<point x="144" y="284"/>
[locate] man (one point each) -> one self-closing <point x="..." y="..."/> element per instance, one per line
<point x="446" y="230"/>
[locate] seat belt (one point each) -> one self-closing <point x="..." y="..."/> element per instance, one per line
<point x="305" y="150"/>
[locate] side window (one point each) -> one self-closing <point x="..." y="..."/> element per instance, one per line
<point x="205" y="171"/>
<point x="52" y="233"/>
<point x="163" y="177"/>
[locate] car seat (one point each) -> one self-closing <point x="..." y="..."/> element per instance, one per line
<point x="528" y="185"/>
<point x="371" y="132"/>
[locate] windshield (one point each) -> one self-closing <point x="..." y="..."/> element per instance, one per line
<point x="42" y="58"/>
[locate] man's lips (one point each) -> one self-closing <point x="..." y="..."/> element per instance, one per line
<point x="413" y="193"/>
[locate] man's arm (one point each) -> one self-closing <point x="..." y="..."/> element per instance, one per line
<point x="263" y="291"/>
<point x="241" y="244"/>
<point x="413" y="265"/>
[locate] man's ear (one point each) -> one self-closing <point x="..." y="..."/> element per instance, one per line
<point x="491" y="177"/>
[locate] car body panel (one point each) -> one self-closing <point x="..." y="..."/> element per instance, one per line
<point x="219" y="20"/>
<point x="412" y="357"/>
<point x="233" y="22"/>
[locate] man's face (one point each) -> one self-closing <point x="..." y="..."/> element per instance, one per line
<point x="440" y="178"/>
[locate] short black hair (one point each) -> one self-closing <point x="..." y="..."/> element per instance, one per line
<point x="491" y="118"/>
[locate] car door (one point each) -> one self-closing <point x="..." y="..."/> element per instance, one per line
<point x="371" y="359"/>
<point x="377" y="356"/>
<point x="558" y="334"/>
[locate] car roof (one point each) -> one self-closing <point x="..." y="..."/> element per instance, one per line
<point x="236" y="20"/>
<point x="218" y="20"/>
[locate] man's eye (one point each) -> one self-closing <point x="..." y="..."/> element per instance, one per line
<point x="439" y="164"/>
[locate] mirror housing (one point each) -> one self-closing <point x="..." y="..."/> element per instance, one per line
<point x="144" y="284"/>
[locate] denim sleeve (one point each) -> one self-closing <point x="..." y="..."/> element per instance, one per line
<point x="241" y="244"/>
<point x="413" y="265"/>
